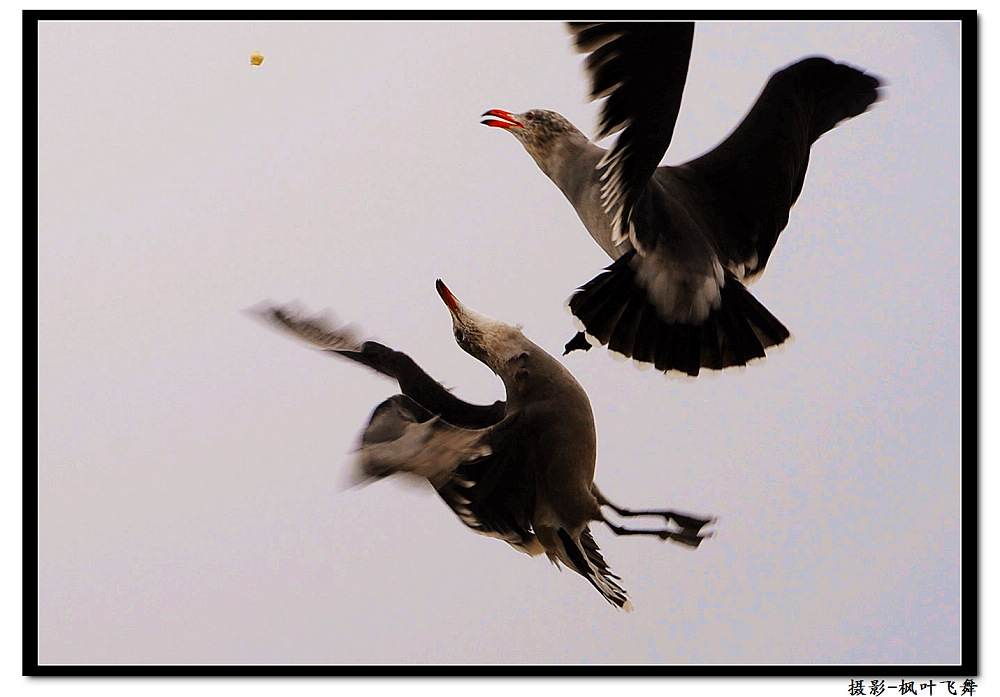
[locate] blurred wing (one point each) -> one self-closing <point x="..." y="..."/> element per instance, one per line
<point x="413" y="381"/>
<point x="403" y="436"/>
<point x="640" y="68"/>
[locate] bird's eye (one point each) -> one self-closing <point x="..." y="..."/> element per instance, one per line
<point x="459" y="335"/>
<point x="530" y="116"/>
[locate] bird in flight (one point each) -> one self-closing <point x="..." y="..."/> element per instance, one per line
<point x="685" y="239"/>
<point x="521" y="470"/>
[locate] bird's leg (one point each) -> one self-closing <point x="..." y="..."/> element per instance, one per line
<point x="685" y="521"/>
<point x="684" y="536"/>
<point x="577" y="343"/>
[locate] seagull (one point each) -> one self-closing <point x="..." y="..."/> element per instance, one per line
<point x="520" y="470"/>
<point x="685" y="239"/>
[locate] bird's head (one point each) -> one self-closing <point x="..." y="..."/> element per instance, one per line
<point x="543" y="133"/>
<point x="484" y="338"/>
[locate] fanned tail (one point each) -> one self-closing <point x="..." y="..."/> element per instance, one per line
<point x="615" y="310"/>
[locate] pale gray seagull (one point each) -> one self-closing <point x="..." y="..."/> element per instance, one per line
<point x="685" y="238"/>
<point x="520" y="470"/>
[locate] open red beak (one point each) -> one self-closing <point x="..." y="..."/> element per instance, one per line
<point x="508" y="119"/>
<point x="450" y="300"/>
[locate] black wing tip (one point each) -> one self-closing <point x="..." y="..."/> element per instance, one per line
<point x="265" y="310"/>
<point x="588" y="36"/>
<point x="319" y="330"/>
<point x="639" y="69"/>
<point x="838" y="90"/>
<point x="277" y="315"/>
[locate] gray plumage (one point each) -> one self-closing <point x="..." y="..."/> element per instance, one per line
<point x="685" y="238"/>
<point x="520" y="470"/>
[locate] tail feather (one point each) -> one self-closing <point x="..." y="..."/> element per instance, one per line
<point x="628" y="325"/>
<point x="711" y="347"/>
<point x="598" y="308"/>
<point x="603" y="323"/>
<point x="739" y="341"/>
<point x="768" y="329"/>
<point x="585" y="558"/>
<point x="684" y="352"/>
<point x="616" y="311"/>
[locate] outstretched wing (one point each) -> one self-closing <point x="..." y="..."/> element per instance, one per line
<point x="413" y="381"/>
<point x="754" y="176"/>
<point x="641" y="68"/>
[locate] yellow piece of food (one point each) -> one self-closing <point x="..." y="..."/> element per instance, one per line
<point x="256" y="58"/>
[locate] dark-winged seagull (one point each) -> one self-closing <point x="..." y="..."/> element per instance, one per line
<point x="521" y="470"/>
<point x="685" y="238"/>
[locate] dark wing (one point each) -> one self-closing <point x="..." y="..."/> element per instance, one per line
<point x="494" y="494"/>
<point x="751" y="179"/>
<point x="483" y="475"/>
<point x="413" y="381"/>
<point x="641" y="68"/>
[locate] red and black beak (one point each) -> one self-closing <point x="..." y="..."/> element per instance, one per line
<point x="504" y="119"/>
<point x="450" y="300"/>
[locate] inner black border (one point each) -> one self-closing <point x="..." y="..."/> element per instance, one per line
<point x="971" y="628"/>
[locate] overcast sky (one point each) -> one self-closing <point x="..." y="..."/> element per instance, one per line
<point x="192" y="463"/>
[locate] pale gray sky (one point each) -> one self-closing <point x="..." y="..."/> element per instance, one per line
<point x="191" y="462"/>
